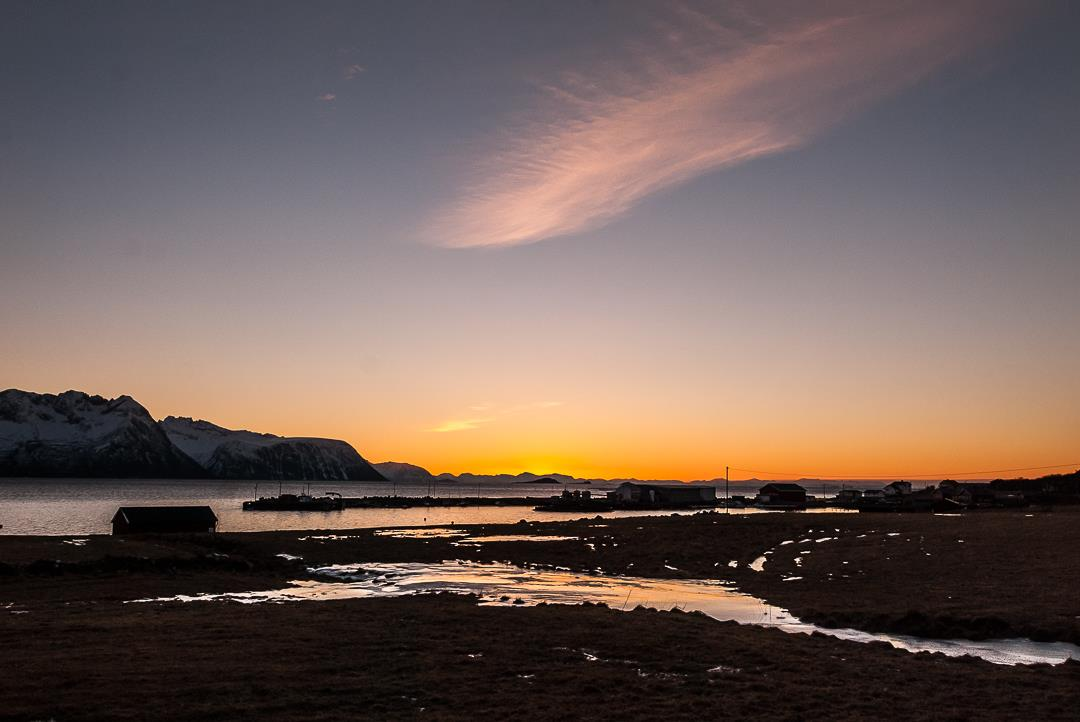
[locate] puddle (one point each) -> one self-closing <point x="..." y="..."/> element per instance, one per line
<point x="505" y="584"/>
<point x="425" y="533"/>
<point x="520" y="537"/>
<point x="76" y="542"/>
<point x="462" y="536"/>
<point x="758" y="565"/>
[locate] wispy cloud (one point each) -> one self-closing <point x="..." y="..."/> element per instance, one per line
<point x="494" y="413"/>
<point x="460" y="425"/>
<point x="702" y="94"/>
<point x="327" y="97"/>
<point x="351" y="71"/>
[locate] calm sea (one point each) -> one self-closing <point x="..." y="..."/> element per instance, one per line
<point x="85" y="506"/>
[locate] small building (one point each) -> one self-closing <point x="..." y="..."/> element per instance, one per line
<point x="957" y="493"/>
<point x="663" y="495"/>
<point x="782" y="496"/>
<point x="164" y="520"/>
<point x="897" y="488"/>
<point x="928" y="499"/>
<point x="848" y="497"/>
<point x="983" y="494"/>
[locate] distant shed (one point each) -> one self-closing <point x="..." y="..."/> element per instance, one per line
<point x="779" y="495"/>
<point x="164" y="520"/>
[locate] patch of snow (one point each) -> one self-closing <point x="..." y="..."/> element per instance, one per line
<point x="723" y="669"/>
<point x="68" y="419"/>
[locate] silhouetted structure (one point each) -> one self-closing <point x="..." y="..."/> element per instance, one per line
<point x="1052" y="489"/>
<point x="164" y="520"/>
<point x="663" y="495"/>
<point x="782" y="496"/>
<point x="848" y="498"/>
<point x="331" y="501"/>
<point x="897" y="489"/>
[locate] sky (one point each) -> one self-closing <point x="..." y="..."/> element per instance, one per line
<point x="610" y="239"/>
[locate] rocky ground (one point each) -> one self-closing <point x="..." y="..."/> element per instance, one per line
<point x="74" y="650"/>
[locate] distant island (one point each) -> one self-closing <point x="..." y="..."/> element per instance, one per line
<point x="74" y="434"/>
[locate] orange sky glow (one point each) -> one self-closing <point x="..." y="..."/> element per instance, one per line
<point x="641" y="240"/>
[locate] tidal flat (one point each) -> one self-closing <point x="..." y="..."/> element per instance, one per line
<point x="84" y="651"/>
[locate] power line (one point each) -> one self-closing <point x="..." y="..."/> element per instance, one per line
<point x="937" y="475"/>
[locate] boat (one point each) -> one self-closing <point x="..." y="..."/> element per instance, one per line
<point x="331" y="501"/>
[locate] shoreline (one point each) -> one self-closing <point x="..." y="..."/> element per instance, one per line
<point x="915" y="574"/>
<point x="89" y="655"/>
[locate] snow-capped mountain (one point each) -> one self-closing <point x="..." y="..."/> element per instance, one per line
<point x="401" y="471"/>
<point x="74" y="434"/>
<point x="228" y="454"/>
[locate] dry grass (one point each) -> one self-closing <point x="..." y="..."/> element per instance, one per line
<point x="443" y="657"/>
<point x="79" y="653"/>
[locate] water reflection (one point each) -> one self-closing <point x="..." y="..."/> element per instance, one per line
<point x="507" y="584"/>
<point x="85" y="506"/>
<point x="521" y="537"/>
<point x="431" y="532"/>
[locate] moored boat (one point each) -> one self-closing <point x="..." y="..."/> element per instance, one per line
<point x="331" y="501"/>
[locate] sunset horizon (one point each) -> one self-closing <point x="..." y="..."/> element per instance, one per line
<point x="469" y="359"/>
<point x="775" y="281"/>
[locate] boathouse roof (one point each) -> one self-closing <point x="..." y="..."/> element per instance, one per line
<point x="776" y="486"/>
<point x="165" y="518"/>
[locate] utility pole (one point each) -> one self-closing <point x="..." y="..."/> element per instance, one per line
<point x="727" y="487"/>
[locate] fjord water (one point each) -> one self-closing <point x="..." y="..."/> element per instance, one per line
<point x="85" y="506"/>
<point x="509" y="584"/>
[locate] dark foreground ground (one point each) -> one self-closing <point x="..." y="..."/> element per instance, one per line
<point x="72" y="650"/>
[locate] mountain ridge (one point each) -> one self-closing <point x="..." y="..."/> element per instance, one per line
<point x="75" y="434"/>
